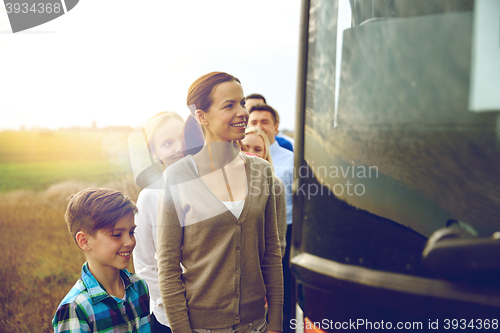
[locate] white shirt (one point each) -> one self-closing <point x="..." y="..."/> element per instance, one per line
<point x="235" y="207"/>
<point x="283" y="169"/>
<point x="145" y="250"/>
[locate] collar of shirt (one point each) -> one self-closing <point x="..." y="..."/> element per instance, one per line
<point x="95" y="290"/>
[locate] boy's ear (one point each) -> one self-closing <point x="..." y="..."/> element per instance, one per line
<point x="82" y="241"/>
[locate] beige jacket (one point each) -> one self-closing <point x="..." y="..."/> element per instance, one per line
<point x="231" y="264"/>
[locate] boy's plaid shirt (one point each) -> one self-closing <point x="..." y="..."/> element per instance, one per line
<point x="89" y="308"/>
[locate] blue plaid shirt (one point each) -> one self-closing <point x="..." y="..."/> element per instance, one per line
<point x="89" y="308"/>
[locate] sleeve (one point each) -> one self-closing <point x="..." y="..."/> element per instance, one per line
<point x="281" y="213"/>
<point x="70" y="318"/>
<point x="144" y="253"/>
<point x="288" y="193"/>
<point x="169" y="237"/>
<point x="272" y="271"/>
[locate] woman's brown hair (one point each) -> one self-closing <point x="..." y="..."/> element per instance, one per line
<point x="200" y="92"/>
<point x="200" y="98"/>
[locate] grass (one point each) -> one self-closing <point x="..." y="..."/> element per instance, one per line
<point x="38" y="173"/>
<point x="40" y="262"/>
<point x="33" y="160"/>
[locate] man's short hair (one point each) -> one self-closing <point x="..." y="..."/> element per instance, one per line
<point x="256" y="96"/>
<point x="94" y="209"/>
<point x="265" y="107"/>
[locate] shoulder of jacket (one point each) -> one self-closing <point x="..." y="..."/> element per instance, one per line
<point x="255" y="161"/>
<point x="180" y="170"/>
<point x="278" y="182"/>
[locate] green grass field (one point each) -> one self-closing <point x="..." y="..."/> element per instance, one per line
<point x="33" y="160"/>
<point x="39" y="262"/>
<point x="38" y="173"/>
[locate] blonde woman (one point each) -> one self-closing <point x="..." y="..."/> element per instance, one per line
<point x="163" y="137"/>
<point x="257" y="143"/>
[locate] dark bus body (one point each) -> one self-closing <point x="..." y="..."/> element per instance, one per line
<point x="397" y="181"/>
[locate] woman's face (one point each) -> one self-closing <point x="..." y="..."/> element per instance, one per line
<point x="227" y="117"/>
<point x="167" y="142"/>
<point x="255" y="145"/>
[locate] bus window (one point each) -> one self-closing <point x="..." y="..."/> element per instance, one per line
<point x="391" y="154"/>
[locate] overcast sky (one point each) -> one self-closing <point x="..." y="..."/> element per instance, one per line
<point x="118" y="62"/>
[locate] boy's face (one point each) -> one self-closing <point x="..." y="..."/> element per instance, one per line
<point x="112" y="248"/>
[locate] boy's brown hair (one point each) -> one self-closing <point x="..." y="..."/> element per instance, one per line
<point x="95" y="209"/>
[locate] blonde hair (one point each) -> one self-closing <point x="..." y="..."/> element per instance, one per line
<point x="154" y="123"/>
<point x="257" y="131"/>
<point x="95" y="209"/>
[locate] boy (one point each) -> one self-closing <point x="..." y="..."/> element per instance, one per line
<point x="107" y="298"/>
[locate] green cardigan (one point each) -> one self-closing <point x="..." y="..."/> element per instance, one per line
<point x="231" y="264"/>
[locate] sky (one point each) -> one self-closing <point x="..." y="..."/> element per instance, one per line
<point x="119" y="62"/>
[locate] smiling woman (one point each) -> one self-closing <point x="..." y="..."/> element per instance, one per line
<point x="217" y="217"/>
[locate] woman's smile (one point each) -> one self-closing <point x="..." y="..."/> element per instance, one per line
<point x="240" y="125"/>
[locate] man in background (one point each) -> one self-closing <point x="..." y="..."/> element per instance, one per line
<point x="283" y="140"/>
<point x="266" y="118"/>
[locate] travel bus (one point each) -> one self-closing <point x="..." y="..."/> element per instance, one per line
<point x="397" y="179"/>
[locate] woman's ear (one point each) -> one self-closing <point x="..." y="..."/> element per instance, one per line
<point x="201" y="117"/>
<point x="82" y="241"/>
